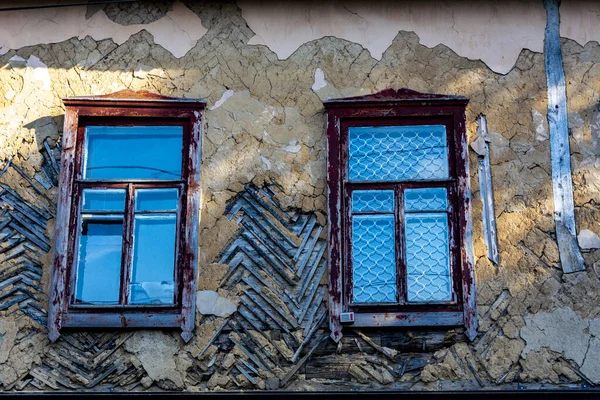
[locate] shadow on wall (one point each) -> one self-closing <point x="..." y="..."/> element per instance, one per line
<point x="274" y="115"/>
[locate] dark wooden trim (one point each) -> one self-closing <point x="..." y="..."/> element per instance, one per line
<point x="58" y="296"/>
<point x="334" y="222"/>
<point x="400" y="107"/>
<point x="130" y="109"/>
<point x="191" y="217"/>
<point x="513" y="391"/>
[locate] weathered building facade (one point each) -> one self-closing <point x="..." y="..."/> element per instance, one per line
<point x="265" y="318"/>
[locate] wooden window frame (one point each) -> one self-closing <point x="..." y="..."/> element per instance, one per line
<point x="401" y="107"/>
<point x="126" y="108"/>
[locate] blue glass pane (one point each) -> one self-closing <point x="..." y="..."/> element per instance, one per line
<point x="153" y="268"/>
<point x="427" y="257"/>
<point x="427" y="199"/>
<point x="373" y="259"/>
<point x="156" y="199"/>
<point x="373" y="200"/>
<point x="133" y="152"/>
<point x="99" y="260"/>
<point x="395" y="153"/>
<point x="104" y="200"/>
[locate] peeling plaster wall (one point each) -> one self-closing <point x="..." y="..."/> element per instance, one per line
<point x="177" y="31"/>
<point x="493" y="33"/>
<point x="264" y="137"/>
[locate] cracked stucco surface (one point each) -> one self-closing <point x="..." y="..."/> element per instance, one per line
<point x="265" y="120"/>
<point x="563" y="331"/>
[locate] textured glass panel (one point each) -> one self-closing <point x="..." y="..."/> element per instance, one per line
<point x="133" y="152"/>
<point x="156" y="199"/>
<point x="99" y="260"/>
<point x="394" y="153"/>
<point x="372" y="200"/>
<point x="427" y="199"/>
<point x="153" y="259"/>
<point x="427" y="257"/>
<point x="104" y="200"/>
<point x="373" y="259"/>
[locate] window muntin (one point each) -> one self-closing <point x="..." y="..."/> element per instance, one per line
<point x="398" y="185"/>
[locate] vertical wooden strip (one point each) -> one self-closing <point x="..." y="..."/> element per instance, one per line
<point x="335" y="224"/>
<point x="564" y="211"/>
<point x="192" y="215"/>
<point x="466" y="224"/>
<point x="486" y="193"/>
<point x="58" y="296"/>
<point x="128" y="243"/>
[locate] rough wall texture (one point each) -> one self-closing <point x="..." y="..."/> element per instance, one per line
<point x="263" y="192"/>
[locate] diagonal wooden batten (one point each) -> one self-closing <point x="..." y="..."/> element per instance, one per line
<point x="571" y="259"/>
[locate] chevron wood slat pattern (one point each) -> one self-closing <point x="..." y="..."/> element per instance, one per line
<point x="277" y="264"/>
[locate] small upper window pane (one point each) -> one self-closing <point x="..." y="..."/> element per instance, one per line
<point x="156" y="199"/>
<point x="104" y="200"/>
<point x="133" y="152"/>
<point x="430" y="199"/>
<point x="373" y="200"/>
<point x="397" y="153"/>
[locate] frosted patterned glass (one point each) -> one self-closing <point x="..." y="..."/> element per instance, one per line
<point x="396" y="153"/>
<point x="373" y="259"/>
<point x="372" y="200"/>
<point x="427" y="257"/>
<point x="427" y="199"/>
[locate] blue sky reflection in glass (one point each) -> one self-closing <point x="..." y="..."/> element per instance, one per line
<point x="133" y="153"/>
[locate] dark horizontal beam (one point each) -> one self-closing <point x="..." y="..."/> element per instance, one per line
<point x="288" y="395"/>
<point x="55" y="5"/>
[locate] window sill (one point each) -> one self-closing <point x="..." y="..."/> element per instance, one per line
<point x="123" y="320"/>
<point x="446" y="318"/>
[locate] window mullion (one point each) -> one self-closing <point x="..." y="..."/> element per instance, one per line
<point x="127" y="256"/>
<point x="400" y="261"/>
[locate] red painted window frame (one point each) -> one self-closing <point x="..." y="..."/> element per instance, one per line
<point x="391" y="107"/>
<point x="128" y="108"/>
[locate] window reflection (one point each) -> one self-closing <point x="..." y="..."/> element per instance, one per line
<point x="99" y="261"/>
<point x="133" y="152"/>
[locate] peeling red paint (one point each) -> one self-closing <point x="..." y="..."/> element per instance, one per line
<point x="126" y="108"/>
<point x="387" y="107"/>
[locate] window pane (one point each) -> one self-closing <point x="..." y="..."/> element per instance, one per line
<point x="431" y="199"/>
<point x="153" y="259"/>
<point x="99" y="260"/>
<point x="104" y="200"/>
<point x="395" y="153"/>
<point x="427" y="257"/>
<point x="373" y="259"/>
<point x="156" y="199"/>
<point x="133" y="152"/>
<point x="373" y="200"/>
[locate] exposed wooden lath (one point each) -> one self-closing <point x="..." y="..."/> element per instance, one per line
<point x="562" y="187"/>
